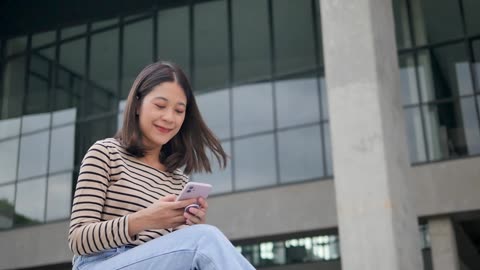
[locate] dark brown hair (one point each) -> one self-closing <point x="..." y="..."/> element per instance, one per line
<point x="188" y="147"/>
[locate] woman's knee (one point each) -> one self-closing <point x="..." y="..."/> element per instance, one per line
<point x="208" y="231"/>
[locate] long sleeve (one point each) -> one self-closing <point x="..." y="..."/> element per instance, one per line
<point x="88" y="233"/>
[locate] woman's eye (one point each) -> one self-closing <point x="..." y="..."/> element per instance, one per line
<point x="160" y="106"/>
<point x="180" y="112"/>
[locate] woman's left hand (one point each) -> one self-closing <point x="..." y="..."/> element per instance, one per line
<point x="197" y="216"/>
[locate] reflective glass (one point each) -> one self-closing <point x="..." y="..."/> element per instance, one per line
<point x="7" y="195"/>
<point x="16" y="45"/>
<point x="293" y="34"/>
<point x="476" y="64"/>
<point x="415" y="136"/>
<point x="87" y="133"/>
<point x="62" y="148"/>
<point x="66" y="116"/>
<point x="13" y="88"/>
<point x="252" y="108"/>
<point x="220" y="179"/>
<point x="44" y="38"/>
<point x="104" y="23"/>
<point x="59" y="196"/>
<point x="33" y="155"/>
<point x="35" y="122"/>
<point x="297" y="101"/>
<point x="38" y="95"/>
<point x="215" y="109"/>
<point x="210" y="69"/>
<point x="402" y="24"/>
<point x="40" y="63"/>
<point x="328" y="149"/>
<point x="471" y="8"/>
<point x="173" y="33"/>
<point x="324" y="98"/>
<point x="408" y="79"/>
<point x="8" y="160"/>
<point x="470" y="122"/>
<point x="104" y="61"/>
<point x="73" y="31"/>
<point x="136" y="55"/>
<point x="252" y="60"/>
<point x="9" y="128"/>
<point x="254" y="160"/>
<point x="71" y="72"/>
<point x="300" y="154"/>
<point x="30" y="202"/>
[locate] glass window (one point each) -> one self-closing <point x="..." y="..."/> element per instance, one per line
<point x="7" y="194"/>
<point x="254" y="160"/>
<point x="408" y="79"/>
<point x="136" y="55"/>
<point x="429" y="17"/>
<point x="72" y="64"/>
<point x="210" y="69"/>
<point x="328" y="149"/>
<point x="9" y="128"/>
<point x="104" y="23"/>
<point x="40" y="64"/>
<point x="16" y="45"/>
<point x="471" y="8"/>
<point x="8" y="160"/>
<point x="293" y="33"/>
<point x="34" y="122"/>
<point x="173" y="33"/>
<point x="38" y="95"/>
<point x="297" y="101"/>
<point x="415" y="137"/>
<point x="470" y="123"/>
<point x="252" y="60"/>
<point x="87" y="133"/>
<point x="13" y="88"/>
<point x="64" y="117"/>
<point x="220" y="179"/>
<point x="300" y="154"/>
<point x="44" y="38"/>
<point x="476" y="64"/>
<point x="215" y="109"/>
<point x="252" y="108"/>
<point x="33" y="155"/>
<point x="59" y="196"/>
<point x="62" y="148"/>
<point x="402" y="24"/>
<point x="444" y="73"/>
<point x="104" y="60"/>
<point x="30" y="202"/>
<point x="69" y="32"/>
<point x="324" y="98"/>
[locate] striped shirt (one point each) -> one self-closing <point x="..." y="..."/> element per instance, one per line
<point x="111" y="185"/>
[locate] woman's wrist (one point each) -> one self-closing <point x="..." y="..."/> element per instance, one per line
<point x="136" y="223"/>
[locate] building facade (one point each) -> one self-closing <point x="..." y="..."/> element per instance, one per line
<point x="258" y="72"/>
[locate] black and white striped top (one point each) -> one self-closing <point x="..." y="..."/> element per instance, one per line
<point x="112" y="184"/>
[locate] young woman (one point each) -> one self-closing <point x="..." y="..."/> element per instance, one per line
<point x="124" y="213"/>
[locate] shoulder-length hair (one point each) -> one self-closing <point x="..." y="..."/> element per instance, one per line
<point x="188" y="147"/>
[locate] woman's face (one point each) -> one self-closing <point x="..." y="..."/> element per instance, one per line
<point x="161" y="114"/>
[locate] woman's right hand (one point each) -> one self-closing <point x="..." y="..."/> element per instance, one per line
<point x="163" y="214"/>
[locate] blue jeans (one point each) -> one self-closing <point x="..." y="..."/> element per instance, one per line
<point x="198" y="247"/>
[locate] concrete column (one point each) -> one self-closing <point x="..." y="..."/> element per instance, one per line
<point x="377" y="222"/>
<point x="444" y="244"/>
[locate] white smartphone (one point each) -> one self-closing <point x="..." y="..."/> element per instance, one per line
<point x="194" y="190"/>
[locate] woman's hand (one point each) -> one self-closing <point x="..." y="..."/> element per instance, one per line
<point x="162" y="214"/>
<point x="197" y="216"/>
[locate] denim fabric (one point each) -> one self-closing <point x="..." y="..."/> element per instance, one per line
<point x="198" y="247"/>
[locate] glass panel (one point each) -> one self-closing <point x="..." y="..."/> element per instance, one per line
<point x="444" y="73"/>
<point x="300" y="153"/>
<point x="62" y="148"/>
<point x="73" y="31"/>
<point x="324" y="98"/>
<point x="7" y="195"/>
<point x="13" y="88"/>
<point x="252" y="108"/>
<point x="16" y="45"/>
<point x="221" y="180"/>
<point x="415" y="138"/>
<point x="471" y="8"/>
<point x="59" y="196"/>
<point x="87" y="133"/>
<point x="215" y="109"/>
<point x="328" y="149"/>
<point x="211" y="48"/>
<point x="429" y="18"/>
<point x="136" y="55"/>
<point x="30" y="202"/>
<point x="471" y="129"/>
<point x="173" y="34"/>
<point x="104" y="23"/>
<point x="35" y="122"/>
<point x="44" y="38"/>
<point x="402" y="24"/>
<point x="252" y="60"/>
<point x="64" y="117"/>
<point x="476" y="64"/>
<point x="293" y="33"/>
<point x="38" y="95"/>
<point x="254" y="160"/>
<point x="9" y="128"/>
<point x="8" y="160"/>
<point x="71" y="72"/>
<point x="136" y="16"/>
<point x="297" y="101"/>
<point x="40" y="63"/>
<point x="33" y="155"/>
<point x="408" y="79"/>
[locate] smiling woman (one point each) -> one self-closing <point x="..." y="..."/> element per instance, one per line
<point x="127" y="185"/>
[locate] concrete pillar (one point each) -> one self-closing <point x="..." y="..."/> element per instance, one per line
<point x="377" y="223"/>
<point x="443" y="244"/>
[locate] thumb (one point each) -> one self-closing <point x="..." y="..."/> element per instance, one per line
<point x="168" y="198"/>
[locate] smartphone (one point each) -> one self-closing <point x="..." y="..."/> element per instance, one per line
<point x="194" y="190"/>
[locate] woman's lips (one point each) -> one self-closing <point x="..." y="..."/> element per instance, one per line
<point x="163" y="130"/>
